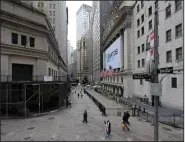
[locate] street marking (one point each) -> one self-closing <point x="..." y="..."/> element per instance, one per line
<point x="129" y="139"/>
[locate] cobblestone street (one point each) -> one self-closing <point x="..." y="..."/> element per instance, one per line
<point x="66" y="125"/>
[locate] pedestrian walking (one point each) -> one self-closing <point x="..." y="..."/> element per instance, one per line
<point x="109" y="128"/>
<point x="78" y="95"/>
<point x="85" y="117"/>
<point x="81" y="95"/>
<point x="125" y="119"/>
<point x="128" y="115"/>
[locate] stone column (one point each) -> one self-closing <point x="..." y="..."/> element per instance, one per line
<point x="122" y="49"/>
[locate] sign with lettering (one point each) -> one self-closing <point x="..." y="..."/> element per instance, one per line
<point x="166" y="70"/>
<point x="141" y="76"/>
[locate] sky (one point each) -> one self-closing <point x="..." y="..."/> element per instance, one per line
<point x="73" y="7"/>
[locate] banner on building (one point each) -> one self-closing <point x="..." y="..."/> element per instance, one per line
<point x="150" y="53"/>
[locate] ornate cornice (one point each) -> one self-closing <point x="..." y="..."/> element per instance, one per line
<point x="114" y="21"/>
<point x="16" y="50"/>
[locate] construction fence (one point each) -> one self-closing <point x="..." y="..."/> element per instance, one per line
<point x="22" y="99"/>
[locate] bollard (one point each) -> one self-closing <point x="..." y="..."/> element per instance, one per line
<point x="134" y="111"/>
<point x="146" y="116"/>
<point x="126" y="103"/>
<point x="144" y="110"/>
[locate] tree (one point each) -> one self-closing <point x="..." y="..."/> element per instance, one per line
<point x="85" y="80"/>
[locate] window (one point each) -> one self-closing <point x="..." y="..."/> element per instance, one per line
<point x="138" y="33"/>
<point x="137" y="8"/>
<point x="138" y="22"/>
<point x="168" y="11"/>
<point x="53" y="6"/>
<point x="179" y="53"/>
<point x="150" y="25"/>
<point x="53" y="13"/>
<point x="142" y="3"/>
<point x="138" y="63"/>
<point x="174" y="82"/>
<point x="143" y="47"/>
<point x="143" y="62"/>
<point x="23" y="40"/>
<point x="14" y="38"/>
<point x="149" y="11"/>
<point x="168" y="35"/>
<point x="142" y="18"/>
<point x="52" y="72"/>
<point x="49" y="72"/>
<point x="50" y="5"/>
<point x="53" y="20"/>
<point x="142" y="31"/>
<point x="32" y="42"/>
<point x="141" y="82"/>
<point x="50" y="20"/>
<point x="169" y="56"/>
<point x="178" y="30"/>
<point x="50" y="12"/>
<point x="138" y="50"/>
<point x="178" y="5"/>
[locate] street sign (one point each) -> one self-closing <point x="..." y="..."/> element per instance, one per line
<point x="156" y="89"/>
<point x="166" y="70"/>
<point x="141" y="76"/>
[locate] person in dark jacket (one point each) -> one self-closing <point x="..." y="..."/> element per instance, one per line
<point x="128" y="115"/>
<point x="125" y="119"/>
<point x="109" y="128"/>
<point x="85" y="117"/>
<point x="78" y="95"/>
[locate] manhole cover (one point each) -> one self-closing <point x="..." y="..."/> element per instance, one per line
<point x="51" y="118"/>
<point x="30" y="128"/>
<point x="167" y="129"/>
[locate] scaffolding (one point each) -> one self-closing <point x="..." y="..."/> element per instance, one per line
<point x="22" y="99"/>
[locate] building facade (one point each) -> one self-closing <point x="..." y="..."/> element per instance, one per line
<point x="57" y="13"/>
<point x="82" y="26"/>
<point x="90" y="48"/>
<point x="29" y="49"/>
<point x="134" y="32"/>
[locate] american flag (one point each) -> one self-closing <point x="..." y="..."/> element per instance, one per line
<point x="110" y="72"/>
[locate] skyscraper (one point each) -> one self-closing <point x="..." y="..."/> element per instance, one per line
<point x="82" y="26"/>
<point x="100" y="10"/>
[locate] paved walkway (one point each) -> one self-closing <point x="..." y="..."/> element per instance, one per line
<point x="66" y="125"/>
